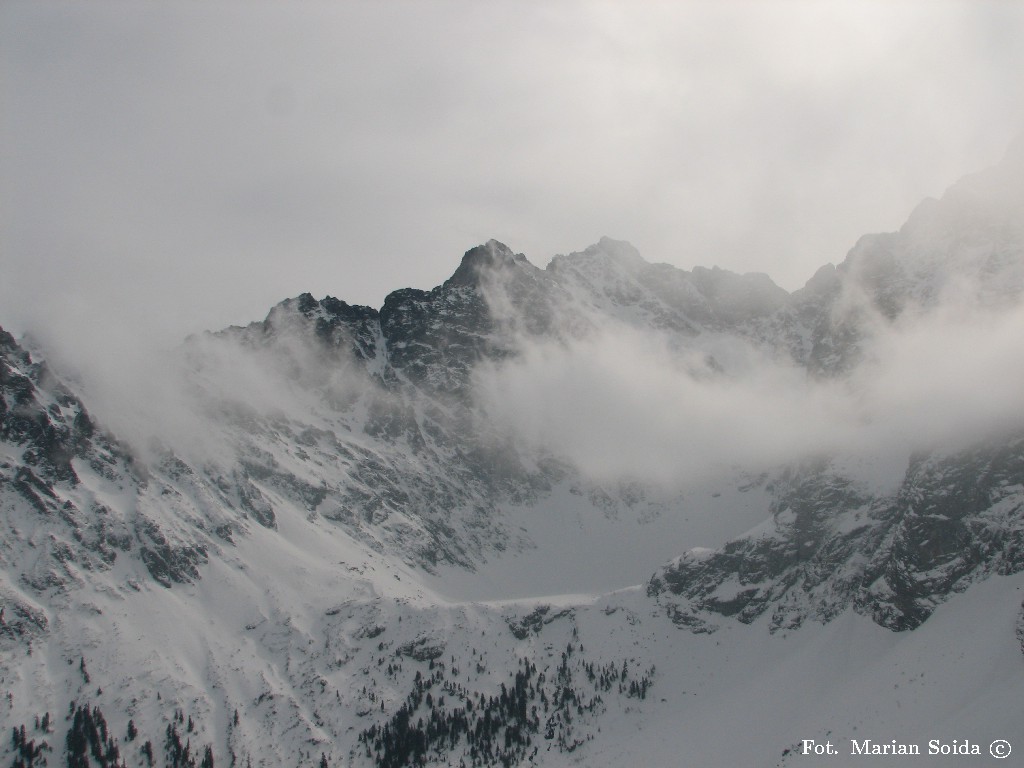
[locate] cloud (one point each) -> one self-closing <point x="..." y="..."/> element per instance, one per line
<point x="626" y="403"/>
<point x="946" y="378"/>
<point x="204" y="398"/>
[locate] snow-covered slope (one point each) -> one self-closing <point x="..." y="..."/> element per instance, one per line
<point x="415" y="535"/>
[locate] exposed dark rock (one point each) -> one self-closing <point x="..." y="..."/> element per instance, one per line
<point x="422" y="649"/>
<point x="531" y="622"/>
<point x="169" y="563"/>
<point x="829" y="547"/>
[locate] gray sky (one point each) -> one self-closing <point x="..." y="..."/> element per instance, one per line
<point x="172" y="167"/>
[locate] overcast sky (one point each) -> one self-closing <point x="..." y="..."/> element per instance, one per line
<point x="171" y="167"/>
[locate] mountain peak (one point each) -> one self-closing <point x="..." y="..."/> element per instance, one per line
<point x="618" y="250"/>
<point x="605" y="252"/>
<point x="622" y="248"/>
<point x="491" y="257"/>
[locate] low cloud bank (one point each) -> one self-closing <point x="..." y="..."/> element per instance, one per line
<point x="199" y="398"/>
<point x="631" y="403"/>
<point x="617" y="401"/>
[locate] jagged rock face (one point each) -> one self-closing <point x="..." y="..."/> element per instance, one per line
<point x="50" y="426"/>
<point x="435" y="338"/>
<point x="959" y="519"/>
<point x="831" y="545"/>
<point x="61" y="468"/>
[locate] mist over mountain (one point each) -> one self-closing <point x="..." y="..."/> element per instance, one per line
<point x="525" y="517"/>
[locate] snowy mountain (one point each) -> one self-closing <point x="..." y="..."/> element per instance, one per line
<point x="425" y="533"/>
